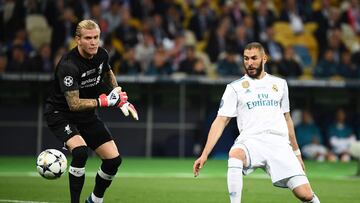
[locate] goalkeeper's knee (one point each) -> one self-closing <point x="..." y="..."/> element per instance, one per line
<point x="80" y="155"/>
<point x="110" y="166"/>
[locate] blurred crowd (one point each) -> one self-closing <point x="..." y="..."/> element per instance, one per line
<point x="303" y="38"/>
<point x="323" y="140"/>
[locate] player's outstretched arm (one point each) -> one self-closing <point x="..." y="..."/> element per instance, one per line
<point x="292" y="138"/>
<point x="114" y="98"/>
<point x="216" y="130"/>
<point x="77" y="104"/>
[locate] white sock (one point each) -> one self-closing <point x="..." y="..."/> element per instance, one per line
<point x="96" y="199"/>
<point x="234" y="179"/>
<point x="314" y="200"/>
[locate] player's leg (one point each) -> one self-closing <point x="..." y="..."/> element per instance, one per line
<point x="237" y="159"/>
<point x="99" y="139"/>
<point x="69" y="134"/>
<point x="111" y="160"/>
<point x="301" y="188"/>
<point x="78" y="149"/>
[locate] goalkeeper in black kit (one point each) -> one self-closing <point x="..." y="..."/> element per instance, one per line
<point x="80" y="78"/>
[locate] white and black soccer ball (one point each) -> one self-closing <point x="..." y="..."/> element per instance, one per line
<point x="51" y="163"/>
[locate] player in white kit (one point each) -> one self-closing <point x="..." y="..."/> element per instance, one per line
<point x="260" y="103"/>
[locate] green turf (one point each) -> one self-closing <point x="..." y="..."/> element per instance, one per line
<point x="171" y="181"/>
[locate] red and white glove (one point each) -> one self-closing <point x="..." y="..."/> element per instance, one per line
<point x="128" y="107"/>
<point x="115" y="98"/>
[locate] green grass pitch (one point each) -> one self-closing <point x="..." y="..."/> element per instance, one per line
<point x="141" y="180"/>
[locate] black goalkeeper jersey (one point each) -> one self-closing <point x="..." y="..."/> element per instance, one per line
<point x="75" y="72"/>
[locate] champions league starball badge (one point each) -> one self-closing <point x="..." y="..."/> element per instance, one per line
<point x="68" y="81"/>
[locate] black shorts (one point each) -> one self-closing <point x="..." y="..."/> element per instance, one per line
<point x="89" y="126"/>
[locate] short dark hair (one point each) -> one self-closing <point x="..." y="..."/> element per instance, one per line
<point x="255" y="45"/>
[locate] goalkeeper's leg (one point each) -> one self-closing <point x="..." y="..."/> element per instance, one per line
<point x="77" y="172"/>
<point x="111" y="161"/>
<point x="301" y="188"/>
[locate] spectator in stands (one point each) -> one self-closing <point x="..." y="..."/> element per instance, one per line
<point x="21" y="39"/>
<point x="176" y="49"/>
<point x="63" y="28"/>
<point x="341" y="136"/>
<point x="13" y="18"/>
<point x="113" y="16"/>
<point x="351" y="15"/>
<point x="237" y="12"/>
<point x="347" y="68"/>
<point x="129" y="64"/>
<point x="142" y="9"/>
<point x="173" y="21"/>
<point x="3" y="63"/>
<point x="240" y="39"/>
<point x="126" y="32"/>
<point x="96" y="15"/>
<point x="263" y="18"/>
<point x="18" y="60"/>
<point x="187" y="64"/>
<point x="115" y="55"/>
<point x="249" y="27"/>
<point x="145" y="50"/>
<point x="158" y="30"/>
<point x="217" y="42"/>
<point x="274" y="49"/>
<point x="326" y="67"/>
<point x="289" y="66"/>
<point x="199" y="67"/>
<point x="160" y="65"/>
<point x="230" y="64"/>
<point x="202" y="21"/>
<point x="309" y="138"/>
<point x="326" y="18"/>
<point x="42" y="62"/>
<point x="293" y="15"/>
<point x="335" y="43"/>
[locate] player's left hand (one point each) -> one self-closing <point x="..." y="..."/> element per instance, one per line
<point x="128" y="107"/>
<point x="198" y="165"/>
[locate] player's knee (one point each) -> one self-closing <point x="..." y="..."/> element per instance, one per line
<point x="238" y="154"/>
<point x="80" y="155"/>
<point x="306" y="197"/>
<point x="110" y="166"/>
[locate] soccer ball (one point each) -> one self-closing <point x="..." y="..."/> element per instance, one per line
<point x="51" y="163"/>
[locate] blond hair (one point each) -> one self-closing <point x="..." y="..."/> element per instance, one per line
<point x="86" y="24"/>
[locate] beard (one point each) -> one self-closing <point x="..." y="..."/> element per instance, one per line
<point x="257" y="73"/>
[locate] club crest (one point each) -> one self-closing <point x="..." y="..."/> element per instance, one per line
<point x="275" y="88"/>
<point x="245" y="84"/>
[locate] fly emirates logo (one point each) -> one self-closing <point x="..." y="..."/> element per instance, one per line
<point x="262" y="101"/>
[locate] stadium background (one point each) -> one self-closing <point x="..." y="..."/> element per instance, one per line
<point x="175" y="111"/>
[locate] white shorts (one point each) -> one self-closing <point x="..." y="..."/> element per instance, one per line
<point x="273" y="154"/>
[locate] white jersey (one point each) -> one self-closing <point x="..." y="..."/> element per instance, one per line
<point x="258" y="104"/>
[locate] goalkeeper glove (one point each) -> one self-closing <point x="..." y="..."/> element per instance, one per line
<point x="114" y="98"/>
<point x="128" y="107"/>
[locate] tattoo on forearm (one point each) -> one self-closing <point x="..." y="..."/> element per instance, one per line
<point x="110" y="79"/>
<point x="77" y="104"/>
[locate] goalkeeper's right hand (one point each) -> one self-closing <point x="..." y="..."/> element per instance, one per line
<point x="128" y="107"/>
<point x="115" y="98"/>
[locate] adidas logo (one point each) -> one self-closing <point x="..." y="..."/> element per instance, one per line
<point x="113" y="96"/>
